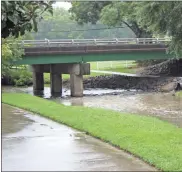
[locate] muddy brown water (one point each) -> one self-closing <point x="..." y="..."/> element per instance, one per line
<point x="33" y="143"/>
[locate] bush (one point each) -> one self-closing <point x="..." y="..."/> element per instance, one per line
<point x="17" y="77"/>
<point x="46" y="78"/>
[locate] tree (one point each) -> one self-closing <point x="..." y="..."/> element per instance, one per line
<point x="124" y="13"/>
<point x="110" y="13"/>
<point x="163" y="18"/>
<point x="11" y="51"/>
<point x="20" y="16"/>
<point x="60" y="26"/>
<point x="87" y="12"/>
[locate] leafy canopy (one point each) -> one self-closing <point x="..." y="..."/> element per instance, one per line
<point x="60" y="26"/>
<point x="109" y="13"/>
<point x="20" y="16"/>
<point x="11" y="51"/>
<point x="143" y="18"/>
<point x="163" y="18"/>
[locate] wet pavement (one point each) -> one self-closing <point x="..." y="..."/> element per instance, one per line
<point x="31" y="142"/>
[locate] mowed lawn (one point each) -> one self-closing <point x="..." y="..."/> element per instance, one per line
<point x="157" y="142"/>
<point x="114" y="66"/>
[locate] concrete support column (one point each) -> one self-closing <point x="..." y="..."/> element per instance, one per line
<point x="76" y="82"/>
<point x="56" y="81"/>
<point x="38" y="79"/>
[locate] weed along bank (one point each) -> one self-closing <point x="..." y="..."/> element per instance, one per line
<point x="156" y="142"/>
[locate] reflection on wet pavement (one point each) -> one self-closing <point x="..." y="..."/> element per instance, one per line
<point x="30" y="142"/>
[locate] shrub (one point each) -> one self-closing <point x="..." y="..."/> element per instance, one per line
<point x="18" y="77"/>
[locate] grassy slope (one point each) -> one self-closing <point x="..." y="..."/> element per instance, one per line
<point x="122" y="70"/>
<point x="155" y="141"/>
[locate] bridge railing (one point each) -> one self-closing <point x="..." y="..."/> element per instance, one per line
<point x="72" y="42"/>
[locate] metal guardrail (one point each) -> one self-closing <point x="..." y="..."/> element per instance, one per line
<point x="72" y="42"/>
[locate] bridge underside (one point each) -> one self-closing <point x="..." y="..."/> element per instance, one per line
<point x="82" y="58"/>
<point x="73" y="60"/>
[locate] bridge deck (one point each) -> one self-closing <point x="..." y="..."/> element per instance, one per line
<point x="67" y="52"/>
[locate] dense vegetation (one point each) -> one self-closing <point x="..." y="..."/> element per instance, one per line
<point x="86" y="20"/>
<point x="17" y="17"/>
<point x="109" y="13"/>
<point x="143" y="18"/>
<point x="60" y="26"/>
<point x="153" y="140"/>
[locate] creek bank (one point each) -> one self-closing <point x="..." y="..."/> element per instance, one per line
<point x="171" y="67"/>
<point x="107" y="126"/>
<point x="144" y="83"/>
<point x="131" y="82"/>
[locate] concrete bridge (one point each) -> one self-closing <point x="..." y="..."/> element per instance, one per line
<point x="68" y="56"/>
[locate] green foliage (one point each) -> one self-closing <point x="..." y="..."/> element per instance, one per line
<point x="123" y="13"/>
<point x="163" y="18"/>
<point x="24" y="78"/>
<point x="87" y="12"/>
<point x="17" y="77"/>
<point x="110" y="13"/>
<point x="155" y="141"/>
<point x="20" y="16"/>
<point x="60" y="26"/>
<point x="11" y="51"/>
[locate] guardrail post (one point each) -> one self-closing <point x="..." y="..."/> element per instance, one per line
<point x="144" y="41"/>
<point x="157" y="40"/>
<point x="137" y="41"/>
<point x="72" y="41"/>
<point x="116" y="41"/>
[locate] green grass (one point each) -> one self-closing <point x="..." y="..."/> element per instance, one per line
<point x="67" y="76"/>
<point x="123" y="70"/>
<point x="117" y="66"/>
<point x="157" y="142"/>
<point x="179" y="94"/>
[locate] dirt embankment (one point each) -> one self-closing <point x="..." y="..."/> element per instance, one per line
<point x="130" y="82"/>
<point x="172" y="67"/>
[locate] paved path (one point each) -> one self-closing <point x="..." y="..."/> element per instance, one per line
<point x="123" y="74"/>
<point x="30" y="142"/>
